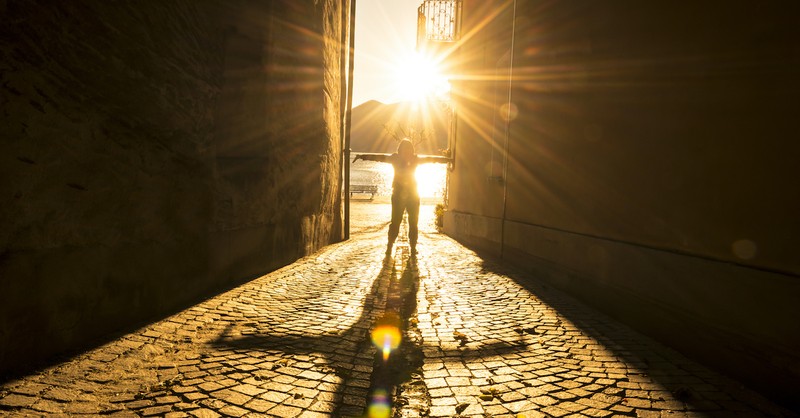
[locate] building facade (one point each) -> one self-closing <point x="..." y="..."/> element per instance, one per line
<point x="641" y="156"/>
<point x="155" y="154"/>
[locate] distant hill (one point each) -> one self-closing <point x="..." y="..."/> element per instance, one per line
<point x="368" y="134"/>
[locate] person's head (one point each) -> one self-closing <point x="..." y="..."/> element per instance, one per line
<point x="405" y="148"/>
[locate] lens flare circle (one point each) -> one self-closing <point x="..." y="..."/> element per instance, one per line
<point x="745" y="249"/>
<point x="509" y="111"/>
<point x="387" y="338"/>
<point x="379" y="406"/>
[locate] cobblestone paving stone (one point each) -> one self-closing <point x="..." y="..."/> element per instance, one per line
<point x="295" y="343"/>
<point x="500" y="343"/>
<point x="292" y="343"/>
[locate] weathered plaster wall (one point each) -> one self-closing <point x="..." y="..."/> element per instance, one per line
<point x="651" y="168"/>
<point x="155" y="152"/>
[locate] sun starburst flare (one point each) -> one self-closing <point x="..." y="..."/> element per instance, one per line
<point x="418" y="77"/>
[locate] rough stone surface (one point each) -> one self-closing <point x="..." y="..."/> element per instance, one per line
<point x="154" y="153"/>
<point x="296" y="342"/>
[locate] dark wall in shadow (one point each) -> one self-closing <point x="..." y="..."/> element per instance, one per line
<point x="153" y="153"/>
<point x="638" y="156"/>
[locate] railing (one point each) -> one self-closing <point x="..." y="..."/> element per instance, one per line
<point x="439" y="21"/>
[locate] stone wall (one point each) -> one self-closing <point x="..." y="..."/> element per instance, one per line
<point x="648" y="166"/>
<point x="155" y="152"/>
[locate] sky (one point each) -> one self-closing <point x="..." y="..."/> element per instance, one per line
<point x="386" y="31"/>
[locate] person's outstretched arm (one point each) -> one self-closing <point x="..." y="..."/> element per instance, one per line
<point x="423" y="159"/>
<point x="372" y="157"/>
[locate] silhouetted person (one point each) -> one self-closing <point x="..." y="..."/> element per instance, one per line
<point x="405" y="196"/>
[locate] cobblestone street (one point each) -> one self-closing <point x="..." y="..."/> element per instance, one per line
<point x="296" y="342"/>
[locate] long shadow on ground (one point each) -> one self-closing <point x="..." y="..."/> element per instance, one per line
<point x="362" y="374"/>
<point x="684" y="381"/>
<point x="348" y="354"/>
<point x="398" y="378"/>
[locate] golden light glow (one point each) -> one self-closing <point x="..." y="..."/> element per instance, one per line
<point x="431" y="179"/>
<point x="386" y="172"/>
<point x="418" y="77"/>
<point x="387" y="338"/>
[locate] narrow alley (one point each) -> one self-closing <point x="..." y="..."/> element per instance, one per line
<point x="617" y="235"/>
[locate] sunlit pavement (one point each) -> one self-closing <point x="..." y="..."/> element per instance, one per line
<point x="296" y="342"/>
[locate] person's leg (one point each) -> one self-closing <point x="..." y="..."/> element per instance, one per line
<point x="413" y="221"/>
<point x="397" y="218"/>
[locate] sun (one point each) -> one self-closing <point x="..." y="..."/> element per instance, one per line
<point x="418" y="77"/>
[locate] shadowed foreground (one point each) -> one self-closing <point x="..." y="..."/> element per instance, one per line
<point x="486" y="341"/>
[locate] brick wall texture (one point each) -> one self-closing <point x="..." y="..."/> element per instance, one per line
<point x="154" y="152"/>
